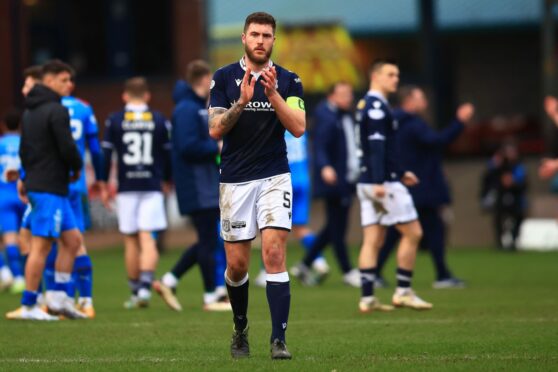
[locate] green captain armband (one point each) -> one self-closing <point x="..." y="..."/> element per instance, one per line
<point x="295" y="103"/>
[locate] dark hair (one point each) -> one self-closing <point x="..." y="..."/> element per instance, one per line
<point x="136" y="87"/>
<point x="56" y="67"/>
<point x="333" y="87"/>
<point x="260" y="18"/>
<point x="405" y="92"/>
<point x="196" y="70"/>
<point x="379" y="63"/>
<point x="34" y="72"/>
<point x="12" y="119"/>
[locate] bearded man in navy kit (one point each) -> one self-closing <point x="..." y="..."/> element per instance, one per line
<point x="252" y="103"/>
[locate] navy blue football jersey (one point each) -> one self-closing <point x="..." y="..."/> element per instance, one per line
<point x="255" y="147"/>
<point x="378" y="140"/>
<point x="140" y="138"/>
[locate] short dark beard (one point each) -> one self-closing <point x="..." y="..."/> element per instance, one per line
<point x="258" y="60"/>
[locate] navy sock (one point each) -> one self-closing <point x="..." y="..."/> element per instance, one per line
<point x="50" y="264"/>
<point x="145" y="279"/>
<point x="29" y="298"/>
<point x="367" y="278"/>
<point x="83" y="276"/>
<point x="14" y="260"/>
<point x="278" y="292"/>
<point x="404" y="278"/>
<point x="134" y="286"/>
<point x="238" y="295"/>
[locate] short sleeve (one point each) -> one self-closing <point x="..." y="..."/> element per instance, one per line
<point x="218" y="93"/>
<point x="295" y="86"/>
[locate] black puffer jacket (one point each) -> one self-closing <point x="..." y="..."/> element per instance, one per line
<point x="48" y="151"/>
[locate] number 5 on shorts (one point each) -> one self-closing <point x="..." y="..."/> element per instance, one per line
<point x="287" y="199"/>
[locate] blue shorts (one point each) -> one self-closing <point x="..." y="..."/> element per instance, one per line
<point x="11" y="212"/>
<point x="50" y="214"/>
<point x="301" y="204"/>
<point x="25" y="221"/>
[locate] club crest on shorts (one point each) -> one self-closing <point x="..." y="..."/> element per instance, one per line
<point x="226" y="225"/>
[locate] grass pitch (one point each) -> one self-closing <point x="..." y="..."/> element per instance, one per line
<point x="507" y="319"/>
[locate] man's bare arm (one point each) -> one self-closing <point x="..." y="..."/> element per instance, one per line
<point x="221" y="120"/>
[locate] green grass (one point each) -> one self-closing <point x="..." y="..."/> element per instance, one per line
<point x="507" y="319"/>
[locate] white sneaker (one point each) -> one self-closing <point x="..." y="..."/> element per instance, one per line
<point x="59" y="303"/>
<point x="352" y="278"/>
<point x="30" y="313"/>
<point x="368" y="305"/>
<point x="144" y="296"/>
<point x="132" y="303"/>
<point x="261" y="279"/>
<point x="222" y="294"/>
<point x="408" y="298"/>
<point x="168" y="295"/>
<point x="320" y="266"/>
<point x="217" y="306"/>
<point x="6" y="278"/>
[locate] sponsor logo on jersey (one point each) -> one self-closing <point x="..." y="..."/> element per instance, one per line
<point x="238" y="81"/>
<point x="257" y="106"/>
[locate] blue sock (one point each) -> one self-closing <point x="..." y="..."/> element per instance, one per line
<point x="367" y="278"/>
<point x="48" y="274"/>
<point x="83" y="276"/>
<point x="29" y="298"/>
<point x="14" y="260"/>
<point x="71" y="287"/>
<point x="279" y="299"/>
<point x="62" y="281"/>
<point x="307" y="241"/>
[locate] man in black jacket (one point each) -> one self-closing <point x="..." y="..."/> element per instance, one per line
<point x="50" y="160"/>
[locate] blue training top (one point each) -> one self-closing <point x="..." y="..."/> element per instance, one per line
<point x="255" y="147"/>
<point x="9" y="160"/>
<point x="85" y="132"/>
<point x="297" y="155"/>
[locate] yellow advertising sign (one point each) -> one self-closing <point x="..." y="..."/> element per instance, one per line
<point x="320" y="54"/>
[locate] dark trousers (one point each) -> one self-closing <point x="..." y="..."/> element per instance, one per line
<point x="506" y="227"/>
<point x="337" y="218"/>
<point x="434" y="238"/>
<point x="206" y="223"/>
